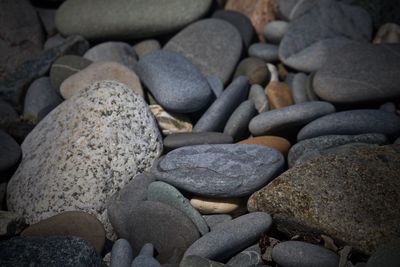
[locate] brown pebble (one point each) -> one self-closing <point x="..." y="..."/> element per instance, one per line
<point x="276" y="142"/>
<point x="279" y="95"/>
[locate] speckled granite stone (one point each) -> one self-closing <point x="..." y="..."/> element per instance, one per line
<point x="84" y="151"/>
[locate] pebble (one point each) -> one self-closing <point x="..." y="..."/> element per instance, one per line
<point x="11" y="224"/>
<point x="257" y="95"/>
<point x="197" y="261"/>
<point x="216" y="85"/>
<point x="214" y="46"/>
<point x="47" y="17"/>
<point x="237" y="124"/>
<point x="171" y="123"/>
<point x="93" y="143"/>
<point x="298" y="87"/>
<point x="10" y="151"/>
<point x="266" y="52"/>
<point x="279" y="95"/>
<point x="359" y="73"/>
<point x="167" y="194"/>
<point x="302" y="254"/>
<point x="214" y="220"/>
<point x="386" y="255"/>
<point x="216" y="206"/>
<point x="275" y="31"/>
<point x="388" y="33"/>
<point x="353" y="122"/>
<point x="254" y="69"/>
<point x="289" y="117"/>
<point x="228" y="170"/>
<point x="311" y="96"/>
<point x="98" y="71"/>
<point x="146" y="47"/>
<point x="54" y="41"/>
<point x="397" y="141"/>
<point x="65" y="67"/>
<point x="174" y="81"/>
<point x="174" y="141"/>
<point x="7" y="112"/>
<point x="119" y="52"/>
<point x="276" y="142"/>
<point x="41" y="95"/>
<point x="145" y="258"/>
<point x="249" y="257"/>
<point x="95" y="19"/>
<point x="216" y="116"/>
<point x="388" y="107"/>
<point x="121" y="254"/>
<point x="236" y="235"/>
<point x="285" y="8"/>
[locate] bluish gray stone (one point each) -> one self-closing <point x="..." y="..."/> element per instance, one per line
<point x="216" y="85"/>
<point x="7" y="112"/>
<point x="353" y="122"/>
<point x="229" y="170"/>
<point x="237" y="125"/>
<point x="254" y="69"/>
<point x="212" y="45"/>
<point x="68" y="251"/>
<point x="121" y="254"/>
<point x="360" y="73"/>
<point x="299" y="92"/>
<point x="267" y="52"/>
<point x="386" y="255"/>
<point x="302" y="254"/>
<point x="216" y="219"/>
<point x="145" y="258"/>
<point x="274" y="31"/>
<point x="53" y="41"/>
<point x="167" y="194"/>
<point x="235" y="236"/>
<point x="289" y="117"/>
<point x="259" y="98"/>
<point x="311" y="96"/>
<point x="10" y="151"/>
<point x="177" y="140"/>
<point x="216" y="116"/>
<point x="249" y="257"/>
<point x="175" y="83"/>
<point x="197" y="261"/>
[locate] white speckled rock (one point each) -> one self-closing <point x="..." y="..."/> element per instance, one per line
<point x="84" y="151"/>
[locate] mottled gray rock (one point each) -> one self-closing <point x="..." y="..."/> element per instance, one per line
<point x="353" y="122"/>
<point x="216" y="219"/>
<point x="359" y="73"/>
<point x="298" y="87"/>
<point x="329" y="25"/>
<point x="10" y="152"/>
<point x="333" y="195"/>
<point x="230" y="170"/>
<point x="274" y="31"/>
<point x="302" y="254"/>
<point x="48" y="251"/>
<point x="216" y="116"/>
<point x="235" y="236"/>
<point x="237" y="125"/>
<point x="266" y="52"/>
<point x="254" y="69"/>
<point x="216" y="85"/>
<point x="174" y="141"/>
<point x="121" y="254"/>
<point x="137" y="19"/>
<point x="212" y="45"/>
<point x="11" y="224"/>
<point x="167" y="194"/>
<point x="289" y="117"/>
<point x="259" y="98"/>
<point x="197" y="261"/>
<point x="146" y="47"/>
<point x="145" y="257"/>
<point x="94" y="143"/>
<point x="249" y="257"/>
<point x="386" y="255"/>
<point x="175" y="83"/>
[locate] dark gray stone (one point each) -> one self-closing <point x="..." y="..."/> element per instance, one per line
<point x="388" y="107"/>
<point x="241" y="22"/>
<point x="285" y="7"/>
<point x="197" y="261"/>
<point x="289" y="117"/>
<point x="259" y="98"/>
<point x="266" y="52"/>
<point x="48" y="251"/>
<point x="145" y="258"/>
<point x="313" y="147"/>
<point x="216" y="116"/>
<point x="397" y="141"/>
<point x="11" y="223"/>
<point x="177" y="140"/>
<point x="216" y="219"/>
<point x="299" y="88"/>
<point x="7" y="112"/>
<point x="230" y="170"/>
<point x="235" y="236"/>
<point x="353" y="122"/>
<point x="121" y="254"/>
<point x="47" y="17"/>
<point x="102" y="19"/>
<point x="216" y="85"/>
<point x="329" y="25"/>
<point x="54" y="41"/>
<point x="386" y="255"/>
<point x="302" y="254"/>
<point x="311" y="96"/>
<point x="10" y="151"/>
<point x="255" y="70"/>
<point x="212" y="45"/>
<point x="274" y="31"/>
<point x="360" y="73"/>
<point x="249" y="257"/>
<point x="175" y="83"/>
<point x="237" y="125"/>
<point x="146" y="47"/>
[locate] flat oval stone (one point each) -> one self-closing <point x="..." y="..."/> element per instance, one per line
<point x="230" y="170"/>
<point x="353" y="122"/>
<point x="276" y="142"/>
<point x="188" y="139"/>
<point x="289" y="117"/>
<point x="257" y="95"/>
<point x="137" y="19"/>
<point x="359" y="73"/>
<point x="254" y="69"/>
<point x="266" y="52"/>
<point x="275" y="31"/>
<point x="216" y="206"/>
<point x="302" y="254"/>
<point x="121" y="254"/>
<point x="237" y="125"/>
<point x="232" y="238"/>
<point x="212" y="45"/>
<point x="10" y="151"/>
<point x="174" y="82"/>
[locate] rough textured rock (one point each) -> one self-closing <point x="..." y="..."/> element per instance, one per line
<point x="216" y="205"/>
<point x="344" y="202"/>
<point x="279" y="95"/>
<point x="94" y="143"/>
<point x="275" y="31"/>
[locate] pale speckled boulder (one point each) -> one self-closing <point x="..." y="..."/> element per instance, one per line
<point x="84" y="151"/>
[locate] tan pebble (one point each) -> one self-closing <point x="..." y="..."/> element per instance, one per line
<point x="171" y="123"/>
<point x="276" y="142"/>
<point x="216" y="206"/>
<point x="388" y="33"/>
<point x="279" y="95"/>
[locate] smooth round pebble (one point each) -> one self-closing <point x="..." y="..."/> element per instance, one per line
<point x="237" y="124"/>
<point x="7" y="111"/>
<point x="121" y="254"/>
<point x="275" y="31"/>
<point x="276" y="142"/>
<point x="146" y="47"/>
<point x="65" y="67"/>
<point x="265" y="52"/>
<point x="216" y="206"/>
<point x="389" y="107"/>
<point x="254" y="69"/>
<point x="145" y="257"/>
<point x="216" y="85"/>
<point x="279" y="95"/>
<point x="177" y="140"/>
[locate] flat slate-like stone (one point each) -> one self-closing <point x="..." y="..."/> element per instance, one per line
<point x="230" y="170"/>
<point x="289" y="117"/>
<point x="137" y="19"/>
<point x="237" y="125"/>
<point x="174" y="141"/>
<point x="266" y="52"/>
<point x="235" y="236"/>
<point x="359" y="73"/>
<point x="10" y="151"/>
<point x="353" y="122"/>
<point x="174" y="81"/>
<point x="212" y="45"/>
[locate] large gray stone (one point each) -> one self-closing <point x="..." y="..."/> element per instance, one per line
<point x="94" y="143"/>
<point x="213" y="45"/>
<point x="360" y="73"/>
<point x="120" y="19"/>
<point x="174" y="81"/>
<point x="230" y="170"/>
